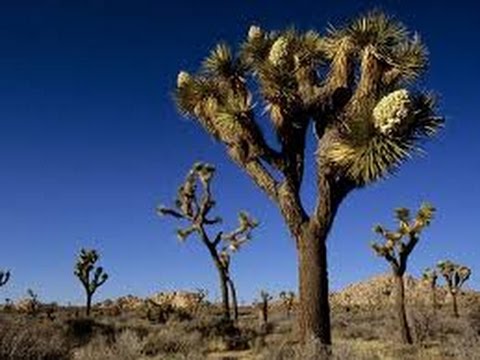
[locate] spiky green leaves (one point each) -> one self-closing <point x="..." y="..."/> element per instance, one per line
<point x="377" y="29"/>
<point x="4" y="277"/>
<point x="222" y="65"/>
<point x="383" y="137"/>
<point x="405" y="55"/>
<point x="430" y="276"/>
<point x="85" y="267"/>
<point x="455" y="274"/>
<point x="236" y="238"/>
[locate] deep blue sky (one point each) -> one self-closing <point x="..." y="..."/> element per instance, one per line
<point x="90" y="143"/>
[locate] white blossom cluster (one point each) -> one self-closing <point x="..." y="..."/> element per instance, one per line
<point x="392" y="113"/>
<point x="279" y="51"/>
<point x="183" y="78"/>
<point x="254" y="32"/>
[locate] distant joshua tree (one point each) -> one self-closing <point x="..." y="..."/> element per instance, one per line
<point x="90" y="276"/>
<point x="430" y="276"/>
<point x="32" y="304"/>
<point x="4" y="277"/>
<point x="193" y="204"/>
<point x="396" y="249"/>
<point x="288" y="301"/>
<point x="353" y="86"/>
<point x="263" y="306"/>
<point x="455" y="276"/>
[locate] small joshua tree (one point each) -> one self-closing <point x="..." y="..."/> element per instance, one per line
<point x="4" y="277"/>
<point x="455" y="276"/>
<point x="288" y="301"/>
<point x="396" y="249"/>
<point x="262" y="305"/>
<point x="430" y="276"/>
<point x="32" y="303"/>
<point x="90" y="276"/>
<point x="353" y="86"/>
<point x="193" y="205"/>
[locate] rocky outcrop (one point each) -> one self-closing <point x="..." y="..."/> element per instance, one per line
<point x="378" y="291"/>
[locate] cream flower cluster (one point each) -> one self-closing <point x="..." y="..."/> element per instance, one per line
<point x="279" y="51"/>
<point x="183" y="78"/>
<point x="392" y="112"/>
<point x="254" y="32"/>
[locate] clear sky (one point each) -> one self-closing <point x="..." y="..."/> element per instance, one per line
<point x="90" y="143"/>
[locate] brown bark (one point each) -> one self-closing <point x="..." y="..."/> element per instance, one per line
<point x="234" y="299"/>
<point x="405" y="334"/>
<point x="314" y="308"/>
<point x="454" y="304"/>
<point x="434" y="298"/>
<point x="223" y="277"/>
<point x="89" y="304"/>
<point x="224" y="292"/>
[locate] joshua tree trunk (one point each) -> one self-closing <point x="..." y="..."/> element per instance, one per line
<point x="223" y="277"/>
<point x="89" y="304"/>
<point x="400" y="309"/>
<point x="314" y="310"/>
<point x="224" y="292"/>
<point x="233" y="292"/>
<point x="454" y="304"/>
<point x="434" y="298"/>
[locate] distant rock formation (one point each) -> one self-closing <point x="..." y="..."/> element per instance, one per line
<point x="378" y="291"/>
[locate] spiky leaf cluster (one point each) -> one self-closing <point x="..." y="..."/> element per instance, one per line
<point x="354" y="83"/>
<point x="236" y="238"/>
<point x="430" y="276"/>
<point x="90" y="275"/>
<point x="398" y="244"/>
<point x="194" y="200"/>
<point x="455" y="275"/>
<point x="4" y="277"/>
<point x="288" y="299"/>
<point x="265" y="296"/>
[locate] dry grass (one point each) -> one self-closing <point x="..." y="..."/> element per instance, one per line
<point x="358" y="335"/>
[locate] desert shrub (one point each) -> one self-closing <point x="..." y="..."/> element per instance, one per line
<point x="314" y="350"/>
<point x="424" y="325"/>
<point x="127" y="346"/>
<point x="173" y="339"/>
<point x="80" y="331"/>
<point x="33" y="340"/>
<point x="161" y="313"/>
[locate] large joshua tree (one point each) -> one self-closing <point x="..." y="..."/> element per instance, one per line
<point x="193" y="205"/>
<point x="396" y="248"/>
<point x="90" y="276"/>
<point x="455" y="276"/>
<point x="354" y="84"/>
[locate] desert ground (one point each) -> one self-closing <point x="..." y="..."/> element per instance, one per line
<point x="180" y="326"/>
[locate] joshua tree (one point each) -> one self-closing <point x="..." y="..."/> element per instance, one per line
<point x="32" y="303"/>
<point x="265" y="297"/>
<point x="4" y="277"/>
<point x="194" y="205"/>
<point x="90" y="276"/>
<point x="455" y="276"/>
<point x="354" y="85"/>
<point x="430" y="276"/>
<point x="396" y="249"/>
<point x="288" y="301"/>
